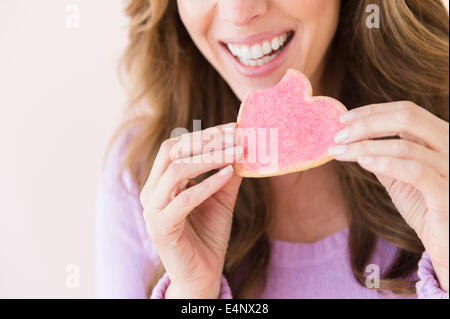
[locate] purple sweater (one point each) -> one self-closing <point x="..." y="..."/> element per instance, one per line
<point x="126" y="258"/>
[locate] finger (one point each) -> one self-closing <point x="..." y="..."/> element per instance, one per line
<point x="178" y="209"/>
<point x="184" y="169"/>
<point x="160" y="164"/>
<point x="371" y="109"/>
<point x="378" y="108"/>
<point x="408" y="171"/>
<point x="391" y="148"/>
<point x="228" y="194"/>
<point x="181" y="187"/>
<point x="191" y="144"/>
<point x="412" y="123"/>
<point x="211" y="139"/>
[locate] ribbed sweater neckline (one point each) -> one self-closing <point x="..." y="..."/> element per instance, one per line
<point x="298" y="254"/>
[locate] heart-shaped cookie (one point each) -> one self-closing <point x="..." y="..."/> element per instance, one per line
<point x="285" y="129"/>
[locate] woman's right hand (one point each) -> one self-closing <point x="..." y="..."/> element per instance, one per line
<point x="190" y="225"/>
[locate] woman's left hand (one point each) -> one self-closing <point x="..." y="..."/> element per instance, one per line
<point x="414" y="168"/>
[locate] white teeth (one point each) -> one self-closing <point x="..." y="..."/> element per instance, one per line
<point x="258" y="62"/>
<point x="258" y="54"/>
<point x="266" y="48"/>
<point x="237" y="51"/>
<point x="232" y="49"/>
<point x="244" y="62"/>
<point x="275" y="44"/>
<point x="245" y="52"/>
<point x="257" y="51"/>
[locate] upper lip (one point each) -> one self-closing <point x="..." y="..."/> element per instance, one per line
<point x="253" y="39"/>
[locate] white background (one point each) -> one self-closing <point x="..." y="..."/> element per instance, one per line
<point x="60" y="101"/>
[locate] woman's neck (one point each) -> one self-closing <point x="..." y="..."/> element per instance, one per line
<point x="307" y="206"/>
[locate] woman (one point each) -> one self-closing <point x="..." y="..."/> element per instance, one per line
<point x="173" y="228"/>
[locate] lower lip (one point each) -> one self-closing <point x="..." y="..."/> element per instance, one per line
<point x="256" y="71"/>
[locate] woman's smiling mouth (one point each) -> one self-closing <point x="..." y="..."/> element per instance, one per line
<point x="258" y="57"/>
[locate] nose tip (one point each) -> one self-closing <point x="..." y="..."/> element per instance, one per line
<point x="242" y="12"/>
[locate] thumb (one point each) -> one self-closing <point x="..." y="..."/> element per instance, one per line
<point x="227" y="195"/>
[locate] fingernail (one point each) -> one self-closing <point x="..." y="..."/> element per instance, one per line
<point x="348" y="116"/>
<point x="337" y="150"/>
<point x="342" y="135"/>
<point x="228" y="128"/>
<point x="366" y="160"/>
<point x="226" y="170"/>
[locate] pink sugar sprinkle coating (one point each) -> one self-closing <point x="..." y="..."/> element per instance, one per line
<point x="306" y="126"/>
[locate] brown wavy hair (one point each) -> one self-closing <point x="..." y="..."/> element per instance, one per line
<point x="170" y="83"/>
